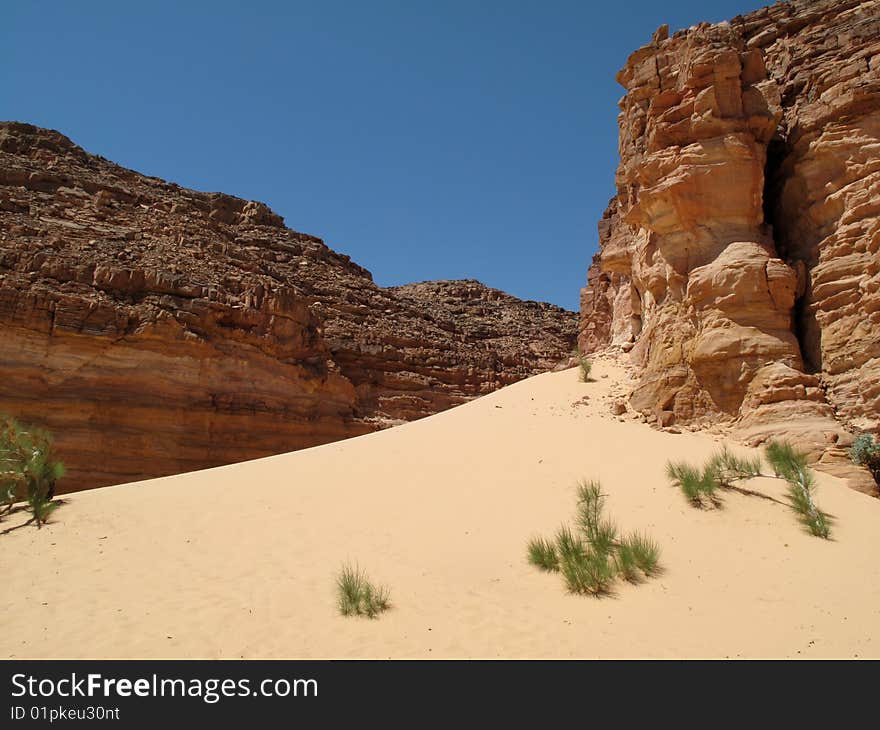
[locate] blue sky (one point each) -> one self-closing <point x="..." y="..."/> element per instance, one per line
<point x="426" y="139"/>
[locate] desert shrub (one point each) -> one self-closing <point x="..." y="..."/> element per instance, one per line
<point x="357" y="596"/>
<point x="599" y="532"/>
<point x="349" y="586"/>
<point x="627" y="566"/>
<point x="696" y="485"/>
<point x="862" y="448"/>
<point x="27" y="468"/>
<point x="791" y="465"/>
<point x="542" y="554"/>
<point x="41" y="507"/>
<point x="592" y="557"/>
<point x="699" y="486"/>
<point x="725" y="469"/>
<point x="800" y="495"/>
<point x="591" y="499"/>
<point x="645" y="552"/>
<point x="588" y="572"/>
<point x="8" y="492"/>
<point x="865" y="451"/>
<point x="585" y="366"/>
<point x="783" y="458"/>
<point x="12" y="473"/>
<point x="568" y="545"/>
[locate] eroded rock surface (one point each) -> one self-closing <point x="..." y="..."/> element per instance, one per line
<point x="739" y="259"/>
<point x="156" y="329"/>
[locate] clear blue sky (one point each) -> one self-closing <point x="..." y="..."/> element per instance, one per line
<point x="427" y="139"/>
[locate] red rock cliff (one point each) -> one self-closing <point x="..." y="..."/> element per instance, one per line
<point x="156" y="329"/>
<point x="739" y="259"/>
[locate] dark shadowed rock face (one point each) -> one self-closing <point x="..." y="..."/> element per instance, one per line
<point x="739" y="259"/>
<point x="156" y="329"/>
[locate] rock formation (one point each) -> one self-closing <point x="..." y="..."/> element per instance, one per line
<point x="739" y="259"/>
<point x="156" y="329"/>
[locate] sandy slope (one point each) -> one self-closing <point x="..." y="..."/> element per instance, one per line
<point x="240" y="561"/>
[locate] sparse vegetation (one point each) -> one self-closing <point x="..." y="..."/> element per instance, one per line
<point x="601" y="533"/>
<point x="8" y="490"/>
<point x="865" y="451"/>
<point x="28" y="470"/>
<point x="357" y="596"/>
<point x="696" y="485"/>
<point x="645" y="552"/>
<point x="627" y="567"/>
<point x="542" y="554"/>
<point x="729" y="468"/>
<point x="791" y="465"/>
<point x="725" y="469"/>
<point x="591" y="558"/>
<point x="585" y="366"/>
<point x="588" y="571"/>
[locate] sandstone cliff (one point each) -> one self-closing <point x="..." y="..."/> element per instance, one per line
<point x="156" y="329"/>
<point x="739" y="259"/>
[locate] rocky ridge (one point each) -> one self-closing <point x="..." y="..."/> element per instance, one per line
<point x="739" y="260"/>
<point x="156" y="329"/>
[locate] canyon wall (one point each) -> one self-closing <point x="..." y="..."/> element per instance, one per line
<point x="155" y="329"/>
<point x="739" y="259"/>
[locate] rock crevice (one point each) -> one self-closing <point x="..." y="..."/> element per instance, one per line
<point x="739" y="258"/>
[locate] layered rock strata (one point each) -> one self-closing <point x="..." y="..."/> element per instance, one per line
<point x="739" y="259"/>
<point x="156" y="329"/>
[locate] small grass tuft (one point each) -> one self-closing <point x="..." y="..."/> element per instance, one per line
<point x="728" y="467"/>
<point x="645" y="551"/>
<point x="349" y="586"/>
<point x="600" y="533"/>
<point x="592" y="557"/>
<point x="590" y="492"/>
<point x="357" y="596"/>
<point x="588" y="572"/>
<point x="42" y="507"/>
<point x="784" y="459"/>
<point x="568" y="545"/>
<point x="542" y="554"/>
<point x="791" y="465"/>
<point x="586" y="366"/>
<point x="721" y="471"/>
<point x="725" y="468"/>
<point x="694" y="484"/>
<point x="627" y="566"/>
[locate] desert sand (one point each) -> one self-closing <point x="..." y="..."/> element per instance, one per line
<point x="240" y="561"/>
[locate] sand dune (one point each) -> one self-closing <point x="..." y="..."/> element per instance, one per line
<point x="240" y="561"/>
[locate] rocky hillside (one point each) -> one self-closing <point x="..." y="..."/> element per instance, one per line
<point x="739" y="259"/>
<point x="156" y="329"/>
